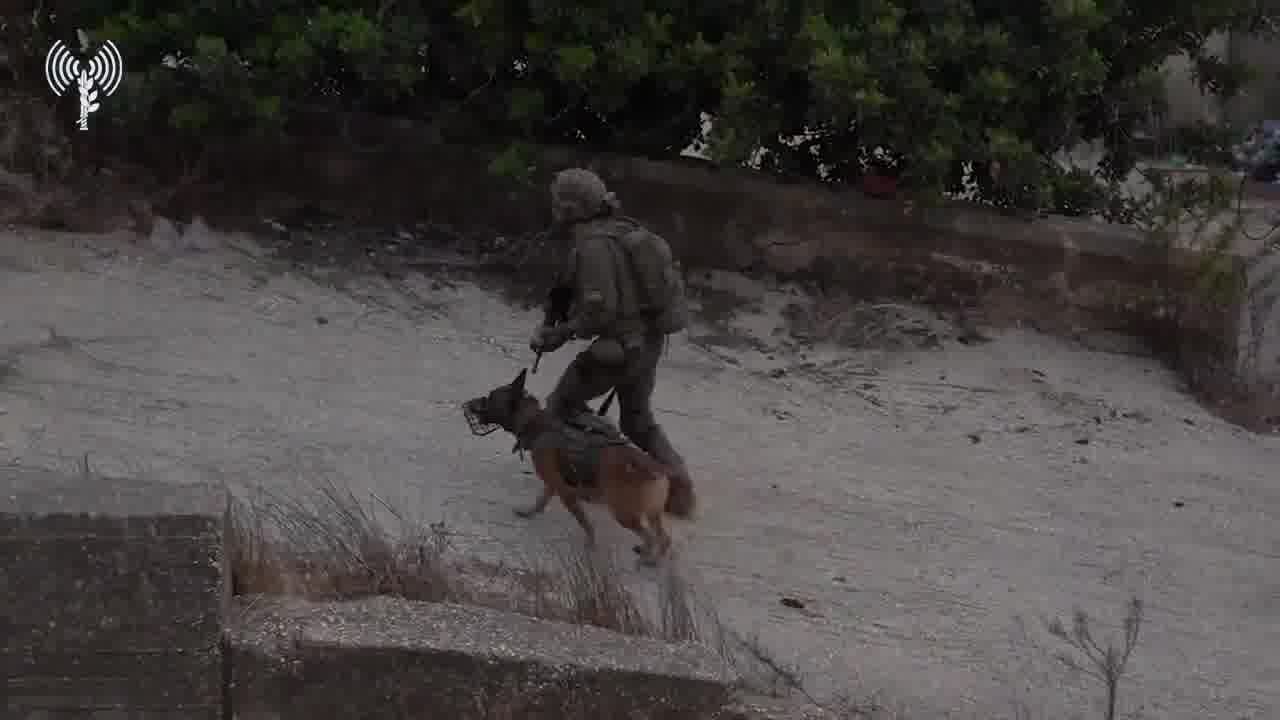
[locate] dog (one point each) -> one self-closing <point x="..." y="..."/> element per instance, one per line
<point x="605" y="469"/>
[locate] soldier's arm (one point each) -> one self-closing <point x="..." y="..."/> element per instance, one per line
<point x="596" y="303"/>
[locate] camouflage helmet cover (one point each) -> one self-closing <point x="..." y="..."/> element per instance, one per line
<point x="579" y="194"/>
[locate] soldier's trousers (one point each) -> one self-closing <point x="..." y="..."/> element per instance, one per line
<point x="587" y="378"/>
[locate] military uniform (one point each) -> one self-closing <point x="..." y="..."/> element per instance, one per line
<point x="625" y="352"/>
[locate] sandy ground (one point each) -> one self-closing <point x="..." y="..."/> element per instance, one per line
<point x="916" y="502"/>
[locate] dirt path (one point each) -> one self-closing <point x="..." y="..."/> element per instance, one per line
<point x="915" y="502"/>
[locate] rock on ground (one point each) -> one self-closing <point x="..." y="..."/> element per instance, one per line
<point x="908" y="504"/>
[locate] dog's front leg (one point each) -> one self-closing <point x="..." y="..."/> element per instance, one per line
<point x="538" y="507"/>
<point x="575" y="507"/>
<point x="547" y="463"/>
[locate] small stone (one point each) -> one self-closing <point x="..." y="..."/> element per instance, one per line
<point x="164" y="235"/>
<point x="792" y="603"/>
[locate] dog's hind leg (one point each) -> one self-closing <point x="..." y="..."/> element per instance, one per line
<point x="650" y="550"/>
<point x="656" y="541"/>
<point x="657" y="526"/>
<point x="635" y="523"/>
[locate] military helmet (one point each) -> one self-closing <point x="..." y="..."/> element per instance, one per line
<point x="579" y="194"/>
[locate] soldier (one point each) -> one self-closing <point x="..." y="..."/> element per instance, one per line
<point x="621" y="289"/>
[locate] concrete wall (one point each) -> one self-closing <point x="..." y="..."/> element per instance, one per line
<point x="1260" y="100"/>
<point x="114" y="603"/>
<point x="1187" y="105"/>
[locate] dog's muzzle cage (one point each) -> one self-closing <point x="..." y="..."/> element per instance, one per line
<point x="478" y="427"/>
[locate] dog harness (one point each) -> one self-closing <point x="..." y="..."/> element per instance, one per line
<point x="582" y="437"/>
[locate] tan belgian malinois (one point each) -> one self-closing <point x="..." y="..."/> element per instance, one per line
<point x="612" y="471"/>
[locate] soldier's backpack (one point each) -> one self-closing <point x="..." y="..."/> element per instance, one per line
<point x="657" y="275"/>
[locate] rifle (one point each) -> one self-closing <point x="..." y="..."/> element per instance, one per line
<point x="555" y="311"/>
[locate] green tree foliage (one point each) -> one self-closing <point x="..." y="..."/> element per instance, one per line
<point x="818" y="84"/>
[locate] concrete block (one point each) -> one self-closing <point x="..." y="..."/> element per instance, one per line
<point x="137" y="594"/>
<point x="384" y="658"/>
<point x="114" y="596"/>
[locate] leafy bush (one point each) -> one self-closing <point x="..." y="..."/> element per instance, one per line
<point x="816" y="84"/>
<point x="1077" y="193"/>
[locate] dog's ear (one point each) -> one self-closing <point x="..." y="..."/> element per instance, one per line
<point x="518" y="384"/>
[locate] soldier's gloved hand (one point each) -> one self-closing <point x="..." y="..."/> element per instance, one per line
<point x="549" y="338"/>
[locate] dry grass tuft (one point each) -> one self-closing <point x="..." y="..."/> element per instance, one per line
<point x="333" y="546"/>
<point x="595" y="595"/>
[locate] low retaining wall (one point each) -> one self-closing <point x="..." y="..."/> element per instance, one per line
<point x="115" y="603"/>
<point x="1058" y="274"/>
<point x="385" y="658"/>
